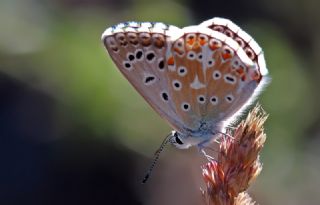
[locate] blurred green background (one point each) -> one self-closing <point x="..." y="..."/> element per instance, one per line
<point x="73" y="131"/>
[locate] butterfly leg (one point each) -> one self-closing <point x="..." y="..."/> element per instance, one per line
<point x="208" y="157"/>
<point x="224" y="136"/>
<point x="201" y="149"/>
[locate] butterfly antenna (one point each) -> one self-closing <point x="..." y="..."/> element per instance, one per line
<point x="156" y="157"/>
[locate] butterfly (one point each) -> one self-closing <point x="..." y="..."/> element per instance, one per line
<point x="198" y="78"/>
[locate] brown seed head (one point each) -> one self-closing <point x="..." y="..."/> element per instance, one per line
<point x="237" y="164"/>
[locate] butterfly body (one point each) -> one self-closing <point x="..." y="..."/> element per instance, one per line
<point x="198" y="78"/>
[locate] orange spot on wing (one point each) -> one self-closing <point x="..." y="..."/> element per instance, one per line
<point x="171" y="60"/>
<point x="190" y="41"/>
<point x="256" y="76"/>
<point x="240" y="70"/>
<point x="213" y="46"/>
<point x="202" y="42"/>
<point x="226" y="56"/>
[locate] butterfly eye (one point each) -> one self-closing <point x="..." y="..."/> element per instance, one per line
<point x="177" y="139"/>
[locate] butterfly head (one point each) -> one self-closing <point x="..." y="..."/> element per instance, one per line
<point x="185" y="141"/>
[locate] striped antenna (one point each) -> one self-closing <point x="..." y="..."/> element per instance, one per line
<point x="156" y="157"/>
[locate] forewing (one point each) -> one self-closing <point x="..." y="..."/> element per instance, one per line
<point x="139" y="51"/>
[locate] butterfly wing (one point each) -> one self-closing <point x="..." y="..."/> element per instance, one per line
<point x="245" y="41"/>
<point x="139" y="50"/>
<point x="192" y="75"/>
<point x="211" y="76"/>
<point x="255" y="78"/>
<point x="187" y="65"/>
